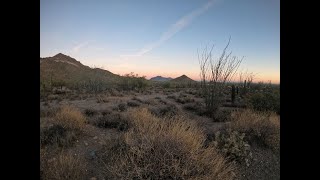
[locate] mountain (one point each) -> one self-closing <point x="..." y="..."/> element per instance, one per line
<point x="160" y="78"/>
<point x="65" y="68"/>
<point x="183" y="79"/>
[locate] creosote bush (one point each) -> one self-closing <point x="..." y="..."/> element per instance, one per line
<point x="155" y="148"/>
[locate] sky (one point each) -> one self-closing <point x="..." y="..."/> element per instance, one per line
<point x="162" y="37"/>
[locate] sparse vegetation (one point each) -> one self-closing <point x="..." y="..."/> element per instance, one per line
<point x="167" y="110"/>
<point x="133" y="104"/>
<point x="65" y="166"/>
<point x="57" y="135"/>
<point x="90" y="112"/>
<point x="127" y="127"/>
<point x="261" y="128"/>
<point x="163" y="149"/>
<point x="232" y="144"/>
<point x="114" y="120"/>
<point x="70" y="118"/>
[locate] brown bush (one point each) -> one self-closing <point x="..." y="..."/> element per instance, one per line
<point x="261" y="127"/>
<point x="168" y="110"/>
<point x="112" y="121"/>
<point x="70" y="118"/>
<point x="63" y="167"/>
<point x="57" y="135"/>
<point x="157" y="148"/>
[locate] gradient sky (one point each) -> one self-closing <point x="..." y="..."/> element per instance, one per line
<point x="161" y="37"/>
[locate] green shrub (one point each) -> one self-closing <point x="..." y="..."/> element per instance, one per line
<point x="265" y="101"/>
<point x="232" y="144"/>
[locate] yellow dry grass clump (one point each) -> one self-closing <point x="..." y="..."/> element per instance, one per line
<point x="155" y="148"/>
<point x="65" y="166"/>
<point x="262" y="125"/>
<point x="70" y="118"/>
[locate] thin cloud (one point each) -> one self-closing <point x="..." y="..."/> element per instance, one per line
<point x="77" y="48"/>
<point x="173" y="29"/>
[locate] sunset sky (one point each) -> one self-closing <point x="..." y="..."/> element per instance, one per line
<point x="161" y="37"/>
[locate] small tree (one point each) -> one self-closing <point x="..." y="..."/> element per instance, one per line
<point x="214" y="73"/>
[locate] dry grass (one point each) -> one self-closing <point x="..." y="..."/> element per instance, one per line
<point x="57" y="136"/>
<point x="264" y="127"/>
<point x="157" y="148"/>
<point x="70" y="118"/>
<point x="63" y="167"/>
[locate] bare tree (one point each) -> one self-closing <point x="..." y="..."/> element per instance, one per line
<point x="214" y="74"/>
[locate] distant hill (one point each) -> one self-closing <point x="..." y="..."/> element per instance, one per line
<point x="183" y="79"/>
<point x="68" y="69"/>
<point x="160" y="78"/>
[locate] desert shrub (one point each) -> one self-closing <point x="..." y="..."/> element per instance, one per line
<point x="122" y="107"/>
<point x="64" y="167"/>
<point x="191" y="91"/>
<point x="265" y="101"/>
<point x="163" y="101"/>
<point x="106" y="112"/>
<point x="184" y="99"/>
<point x="169" y="110"/>
<point x="222" y="115"/>
<point x="48" y="112"/>
<point x="261" y="127"/>
<point x="166" y="85"/>
<point x="190" y="107"/>
<point x="232" y="144"/>
<point x="150" y="102"/>
<point x="132" y="82"/>
<point x="90" y="112"/>
<point x="70" y="118"/>
<point x="172" y="97"/>
<point x="112" y="121"/>
<point x="163" y="149"/>
<point x="53" y="97"/>
<point x="133" y="104"/>
<point x="196" y="107"/>
<point x="57" y="135"/>
<point x="102" y="99"/>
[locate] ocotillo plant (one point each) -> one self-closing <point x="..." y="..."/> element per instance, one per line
<point x="233" y="94"/>
<point x="214" y="74"/>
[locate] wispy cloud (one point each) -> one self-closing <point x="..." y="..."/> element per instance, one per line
<point x="77" y="48"/>
<point x="173" y="29"/>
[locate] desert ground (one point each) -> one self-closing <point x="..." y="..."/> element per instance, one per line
<point x="92" y="136"/>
